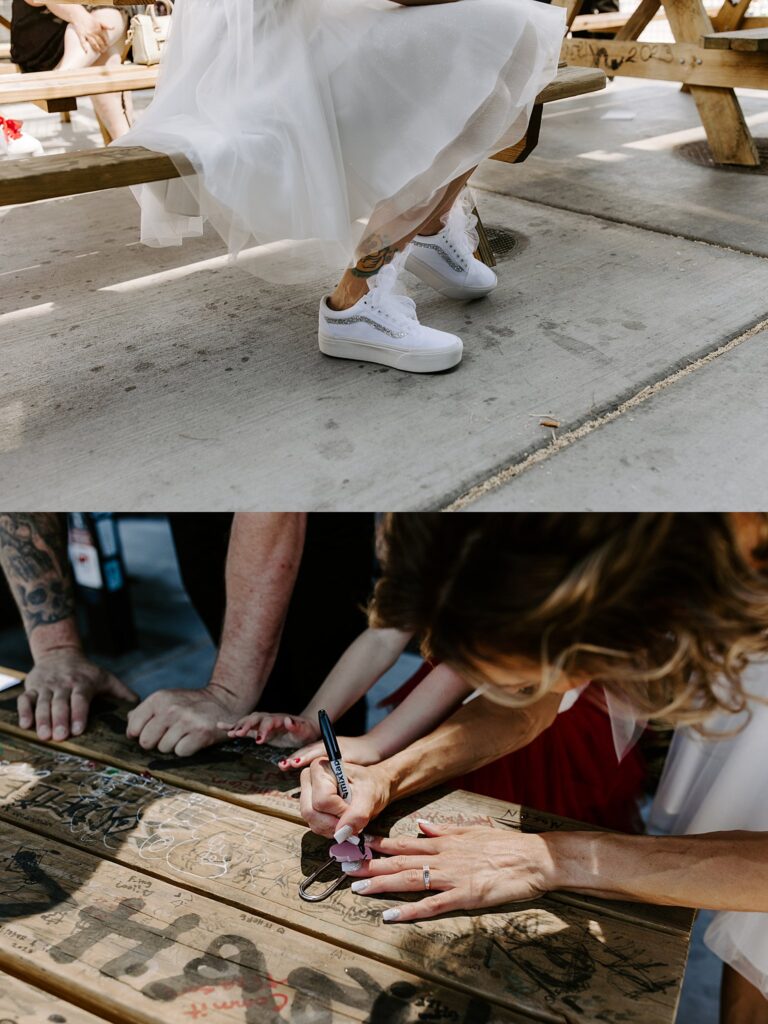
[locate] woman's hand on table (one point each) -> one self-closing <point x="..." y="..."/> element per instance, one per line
<point x="354" y="749"/>
<point x="327" y="814"/>
<point x="470" y="868"/>
<point x="280" y="730"/>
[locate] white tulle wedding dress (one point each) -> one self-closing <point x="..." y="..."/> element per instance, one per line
<point x="713" y="785"/>
<point x="322" y="129"/>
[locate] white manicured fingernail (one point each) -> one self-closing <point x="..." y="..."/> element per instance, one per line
<point x="360" y="885"/>
<point x="391" y="915"/>
<point x="350" y="865"/>
<point x="422" y="821"/>
<point x="343" y="834"/>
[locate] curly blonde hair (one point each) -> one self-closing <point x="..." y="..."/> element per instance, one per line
<point x="664" y="610"/>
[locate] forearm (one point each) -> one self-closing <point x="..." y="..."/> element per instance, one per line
<point x="478" y="733"/>
<point x="365" y="660"/>
<point x="33" y="555"/>
<point x="422" y="710"/>
<point x="67" y="12"/>
<point x="715" y="871"/>
<point x="262" y="563"/>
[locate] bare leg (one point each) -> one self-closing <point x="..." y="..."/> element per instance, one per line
<point x="354" y="284"/>
<point x="109" y="107"/>
<point x="740" y="1001"/>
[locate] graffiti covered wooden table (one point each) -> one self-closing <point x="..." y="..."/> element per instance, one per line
<point x="126" y="896"/>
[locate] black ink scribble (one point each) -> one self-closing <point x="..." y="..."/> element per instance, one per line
<point x="96" y="923"/>
<point x="27" y="862"/>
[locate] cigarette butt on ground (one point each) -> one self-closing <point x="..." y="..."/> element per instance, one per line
<point x="548" y="422"/>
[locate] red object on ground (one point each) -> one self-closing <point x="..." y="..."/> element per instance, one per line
<point x="571" y="769"/>
<point x="11" y="129"/>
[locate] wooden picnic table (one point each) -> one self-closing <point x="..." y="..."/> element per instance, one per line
<point x="144" y="888"/>
<point x="710" y="55"/>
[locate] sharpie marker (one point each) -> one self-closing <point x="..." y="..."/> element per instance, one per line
<point x="334" y="754"/>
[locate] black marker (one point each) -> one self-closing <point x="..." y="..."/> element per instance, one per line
<point x="334" y="754"/>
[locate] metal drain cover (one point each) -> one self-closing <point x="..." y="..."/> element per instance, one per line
<point x="699" y="153"/>
<point x="502" y="241"/>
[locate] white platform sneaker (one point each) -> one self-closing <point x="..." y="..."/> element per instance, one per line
<point x="14" y="142"/>
<point x="383" y="328"/>
<point x="447" y="261"/>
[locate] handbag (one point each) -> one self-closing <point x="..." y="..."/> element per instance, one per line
<point x="148" y="34"/>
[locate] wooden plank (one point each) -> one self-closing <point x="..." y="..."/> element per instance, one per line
<point x="571" y="82"/>
<point x="29" y="179"/>
<point x="52" y="85"/>
<point x="546" y="958"/>
<point x="22" y="1003"/>
<point x="61" y="106"/>
<point x="136" y="949"/>
<point x="671" y="62"/>
<point x="749" y="40"/>
<point x="641" y="17"/>
<point x="238" y="771"/>
<point x="730" y="16"/>
<point x="243" y="774"/>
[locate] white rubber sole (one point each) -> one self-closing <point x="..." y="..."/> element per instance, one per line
<point x="431" y="277"/>
<point x="431" y="361"/>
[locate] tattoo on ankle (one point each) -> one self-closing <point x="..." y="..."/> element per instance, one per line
<point x="371" y="264"/>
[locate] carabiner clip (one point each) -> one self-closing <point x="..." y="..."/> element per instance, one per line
<point x="307" y="882"/>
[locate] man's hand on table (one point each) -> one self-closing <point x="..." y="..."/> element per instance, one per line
<point x="183" y="721"/>
<point x="59" y="690"/>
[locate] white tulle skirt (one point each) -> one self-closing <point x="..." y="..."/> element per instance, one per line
<point x="322" y="130"/>
<point x="716" y="785"/>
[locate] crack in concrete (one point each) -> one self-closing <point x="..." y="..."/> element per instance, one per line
<point x="565" y="440"/>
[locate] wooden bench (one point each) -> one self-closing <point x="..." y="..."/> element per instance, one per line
<point x="57" y="90"/>
<point x="746" y="40"/>
<point x="29" y="179"/>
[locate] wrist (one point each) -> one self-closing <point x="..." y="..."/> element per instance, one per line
<point x="383" y="784"/>
<point x="573" y="860"/>
<point x="235" y="703"/>
<point x="55" y="638"/>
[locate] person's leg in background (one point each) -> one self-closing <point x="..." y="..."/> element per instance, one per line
<point x="326" y="609"/>
<point x="114" y="110"/>
<point x="740" y="1001"/>
<point x="326" y="612"/>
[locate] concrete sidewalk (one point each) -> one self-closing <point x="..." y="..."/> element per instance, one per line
<point x="141" y="378"/>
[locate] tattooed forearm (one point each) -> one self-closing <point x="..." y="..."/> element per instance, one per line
<point x="371" y="264"/>
<point x="33" y="555"/>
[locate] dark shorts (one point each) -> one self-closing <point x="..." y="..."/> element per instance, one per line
<point x="37" y="37"/>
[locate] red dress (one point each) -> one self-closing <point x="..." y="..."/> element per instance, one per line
<point x="571" y="769"/>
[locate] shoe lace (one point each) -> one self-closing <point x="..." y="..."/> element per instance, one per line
<point x="399" y="308"/>
<point x="460" y="230"/>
